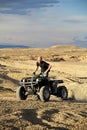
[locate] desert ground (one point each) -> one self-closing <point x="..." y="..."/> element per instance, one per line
<point x="69" y="63"/>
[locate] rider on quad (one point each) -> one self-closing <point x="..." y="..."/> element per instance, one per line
<point x="45" y="67"/>
<point x="41" y="86"/>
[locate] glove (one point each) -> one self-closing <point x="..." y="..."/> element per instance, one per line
<point x="44" y="74"/>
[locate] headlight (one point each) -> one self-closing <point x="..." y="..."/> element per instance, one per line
<point x="23" y="80"/>
<point x="37" y="80"/>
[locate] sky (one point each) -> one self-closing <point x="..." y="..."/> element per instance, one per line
<point x="43" y="23"/>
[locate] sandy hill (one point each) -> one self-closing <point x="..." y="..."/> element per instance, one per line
<point x="69" y="63"/>
<point x="54" y="53"/>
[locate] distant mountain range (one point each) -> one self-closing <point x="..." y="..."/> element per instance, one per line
<point x="13" y="46"/>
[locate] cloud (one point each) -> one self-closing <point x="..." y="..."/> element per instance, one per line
<point x="21" y="29"/>
<point x="76" y="19"/>
<point x="20" y="6"/>
<point x="85" y="37"/>
<point x="80" y="40"/>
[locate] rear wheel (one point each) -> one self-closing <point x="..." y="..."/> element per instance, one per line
<point x="21" y="93"/>
<point x="44" y="94"/>
<point x="62" y="92"/>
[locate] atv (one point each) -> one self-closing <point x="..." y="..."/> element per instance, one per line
<point x="42" y="87"/>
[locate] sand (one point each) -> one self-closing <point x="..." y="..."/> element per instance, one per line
<point x="56" y="114"/>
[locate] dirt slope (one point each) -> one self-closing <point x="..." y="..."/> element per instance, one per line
<point x="36" y="115"/>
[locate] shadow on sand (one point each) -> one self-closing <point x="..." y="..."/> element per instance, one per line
<point x="6" y="77"/>
<point x="32" y="116"/>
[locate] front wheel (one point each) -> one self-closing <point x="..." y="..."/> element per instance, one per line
<point x="62" y="92"/>
<point x="21" y="93"/>
<point x="44" y="94"/>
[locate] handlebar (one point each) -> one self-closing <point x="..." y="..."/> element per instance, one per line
<point x="41" y="75"/>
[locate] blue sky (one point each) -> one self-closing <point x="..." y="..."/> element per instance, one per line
<point x="43" y="23"/>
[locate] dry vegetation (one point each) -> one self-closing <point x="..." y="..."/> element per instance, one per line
<point x="68" y="63"/>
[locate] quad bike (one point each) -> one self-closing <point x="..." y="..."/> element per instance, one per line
<point x="42" y="87"/>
